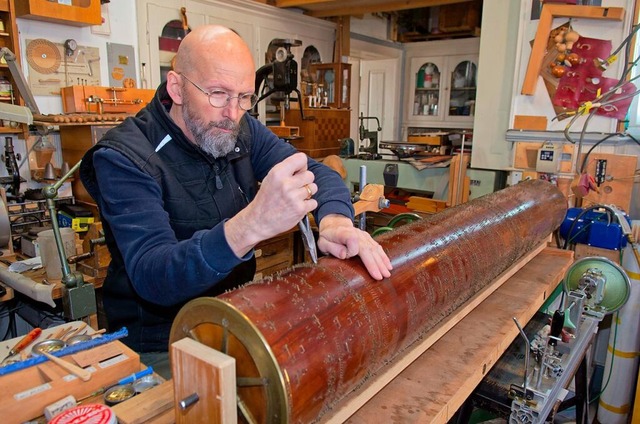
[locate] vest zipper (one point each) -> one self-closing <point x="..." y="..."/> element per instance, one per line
<point x="216" y="170"/>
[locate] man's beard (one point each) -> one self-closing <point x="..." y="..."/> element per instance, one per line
<point x="209" y="135"/>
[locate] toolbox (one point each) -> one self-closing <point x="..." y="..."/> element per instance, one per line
<point x="28" y="391"/>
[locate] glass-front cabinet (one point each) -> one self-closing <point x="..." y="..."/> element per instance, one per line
<point x="442" y="89"/>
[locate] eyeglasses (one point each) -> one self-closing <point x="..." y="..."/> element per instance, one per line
<point x="219" y="98"/>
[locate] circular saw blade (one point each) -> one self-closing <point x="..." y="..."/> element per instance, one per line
<point x="43" y="56"/>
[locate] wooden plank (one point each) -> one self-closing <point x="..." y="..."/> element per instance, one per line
<point x="549" y="12"/>
<point x="618" y="187"/>
<point x="526" y="155"/>
<point x="153" y="405"/>
<point x="210" y="374"/>
<point x="529" y="122"/>
<point x="374" y="386"/>
<point x="433" y="387"/>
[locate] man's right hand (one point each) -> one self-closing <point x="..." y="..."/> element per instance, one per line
<point x="283" y="200"/>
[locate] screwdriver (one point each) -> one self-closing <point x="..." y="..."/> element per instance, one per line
<point x="22" y="344"/>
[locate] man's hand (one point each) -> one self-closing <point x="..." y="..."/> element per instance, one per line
<point x="283" y="199"/>
<point x="341" y="239"/>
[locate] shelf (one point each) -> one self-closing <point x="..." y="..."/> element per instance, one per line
<point x="5" y="34"/>
<point x="464" y="89"/>
<point x="428" y="89"/>
<point x="84" y="14"/>
<point x="9" y="130"/>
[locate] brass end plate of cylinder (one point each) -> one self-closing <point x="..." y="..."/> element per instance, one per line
<point x="261" y="384"/>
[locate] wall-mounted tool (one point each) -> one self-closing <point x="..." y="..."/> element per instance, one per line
<point x="70" y="47"/>
<point x="281" y="75"/>
<point x="11" y="164"/>
<point x="370" y="151"/>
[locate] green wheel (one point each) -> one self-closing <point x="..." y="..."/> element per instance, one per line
<point x="401" y="218"/>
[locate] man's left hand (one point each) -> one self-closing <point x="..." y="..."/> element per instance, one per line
<point x="339" y="238"/>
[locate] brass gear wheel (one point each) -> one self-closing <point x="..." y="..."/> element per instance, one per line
<point x="43" y="56"/>
<point x="261" y="386"/>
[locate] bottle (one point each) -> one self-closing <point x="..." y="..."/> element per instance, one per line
<point x="5" y="87"/>
<point x="420" y="78"/>
<point x="428" y="80"/>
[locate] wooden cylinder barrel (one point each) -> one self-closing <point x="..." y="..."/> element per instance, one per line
<point x="325" y="328"/>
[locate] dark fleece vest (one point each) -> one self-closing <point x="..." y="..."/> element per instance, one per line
<point x="194" y="198"/>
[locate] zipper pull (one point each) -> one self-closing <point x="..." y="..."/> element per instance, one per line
<point x="216" y="170"/>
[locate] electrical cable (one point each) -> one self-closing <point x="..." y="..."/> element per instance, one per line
<point x="605" y="98"/>
<point x="596" y="144"/>
<point x="615" y="337"/>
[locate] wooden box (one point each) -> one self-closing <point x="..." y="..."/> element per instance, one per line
<point x="274" y="254"/>
<point x="28" y="391"/>
<point x="79" y="13"/>
<point x="584" y="250"/>
<point x="321" y="130"/>
<point x="81" y="99"/>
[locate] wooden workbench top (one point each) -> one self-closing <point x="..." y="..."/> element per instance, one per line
<point x="434" y="386"/>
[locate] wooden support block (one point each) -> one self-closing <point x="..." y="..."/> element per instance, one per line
<point x="531" y="123"/>
<point x="584" y="250"/>
<point x="151" y="406"/>
<point x="549" y="12"/>
<point x="422" y="204"/>
<point x="209" y="374"/>
<point x="526" y="156"/>
<point x="618" y="188"/>
<point x="458" y="179"/>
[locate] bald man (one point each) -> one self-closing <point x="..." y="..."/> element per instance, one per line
<point x="176" y="187"/>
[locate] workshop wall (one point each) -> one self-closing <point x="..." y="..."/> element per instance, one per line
<point x="122" y="29"/>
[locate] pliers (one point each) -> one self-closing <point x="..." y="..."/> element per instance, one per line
<point x="308" y="239"/>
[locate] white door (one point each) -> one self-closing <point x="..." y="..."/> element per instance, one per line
<point x="380" y="97"/>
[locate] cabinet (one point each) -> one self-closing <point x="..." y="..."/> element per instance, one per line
<point x="322" y="130"/>
<point x="9" y="39"/>
<point x="441" y="87"/>
<point x="71" y="12"/>
<point x="334" y="80"/>
<point x="444" y="88"/>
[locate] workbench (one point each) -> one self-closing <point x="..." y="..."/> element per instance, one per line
<point x="431" y="388"/>
<point x="434" y="181"/>
<point x="39" y="277"/>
